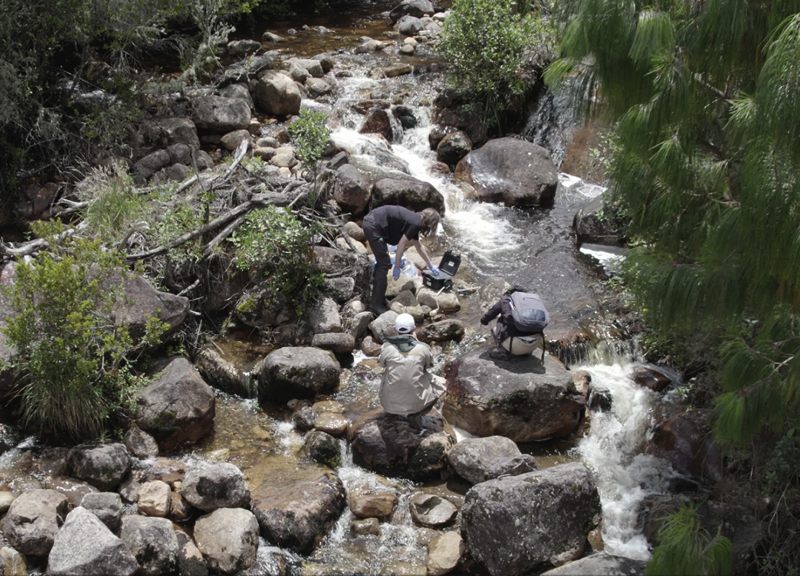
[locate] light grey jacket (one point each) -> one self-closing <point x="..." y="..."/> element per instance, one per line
<point x="407" y="386"/>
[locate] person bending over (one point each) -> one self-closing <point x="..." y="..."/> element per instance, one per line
<point x="407" y="387"/>
<point x="399" y="226"/>
<point x="510" y="341"/>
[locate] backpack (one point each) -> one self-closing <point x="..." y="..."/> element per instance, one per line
<point x="528" y="312"/>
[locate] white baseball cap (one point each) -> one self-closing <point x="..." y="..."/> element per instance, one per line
<point x="404" y="324"/>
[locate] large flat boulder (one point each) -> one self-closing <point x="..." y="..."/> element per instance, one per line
<point x="219" y="114"/>
<point x="517" y="524"/>
<point x="410" y="193"/>
<point x="521" y="398"/>
<point x="510" y="171"/>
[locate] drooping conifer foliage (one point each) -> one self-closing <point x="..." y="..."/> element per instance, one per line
<point x="705" y="97"/>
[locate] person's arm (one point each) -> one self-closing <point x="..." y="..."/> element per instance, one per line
<point x="418" y="245"/>
<point x="491" y="313"/>
<point x="398" y="256"/>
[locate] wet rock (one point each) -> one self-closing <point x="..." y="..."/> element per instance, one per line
<point x="650" y="378"/>
<point x="596" y="223"/>
<point x="685" y="442"/>
<point x="410" y="193"/>
<point x="512" y="171"/>
<point x="140" y="444"/>
<point x="228" y="538"/>
<point x="153" y="543"/>
<point x="107" y="506"/>
<point x="333" y="424"/>
<point x="73" y="489"/>
<point x="219" y="485"/>
<point x="335" y="342"/>
<point x="154" y="499"/>
<point x="480" y="459"/>
<point x="103" y="466"/>
<point x="394" y="71"/>
<point x="442" y="331"/>
<point x="323" y="448"/>
<point x="368" y="46"/>
<point x="437" y="134"/>
<point x="323" y="316"/>
<point x="351" y="192"/>
<point x="409" y="25"/>
<point x="218" y="114"/>
<point x="277" y="94"/>
<point x="272" y="37"/>
<point x="220" y="372"/>
<point x="514" y="525"/>
<point x="369" y="347"/>
<point x="33" y="520"/>
<point x="167" y="470"/>
<point x="298" y="505"/>
<point x="601" y="564"/>
<point x="317" y="87"/>
<point x="444" y="553"/>
<point x="416" y="8"/>
<point x="518" y="398"/>
<point x="599" y="400"/>
<point x="431" y="510"/>
<point x="297" y="372"/>
<point x="372" y="505"/>
<point x="9" y="437"/>
<point x="365" y="527"/>
<point x="453" y="147"/>
<point x="85" y="546"/>
<point x="178" y="407"/>
<point x="395" y="446"/>
<point x="380" y="121"/>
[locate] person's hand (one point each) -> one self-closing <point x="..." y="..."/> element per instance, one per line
<point x="396" y="272"/>
<point x="434" y="270"/>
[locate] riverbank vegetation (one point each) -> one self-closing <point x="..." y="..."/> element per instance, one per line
<point x="705" y="161"/>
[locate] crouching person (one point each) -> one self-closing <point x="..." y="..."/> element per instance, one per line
<point x="521" y="320"/>
<point x="407" y="387"/>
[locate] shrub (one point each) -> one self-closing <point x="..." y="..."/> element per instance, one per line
<point x="275" y="248"/>
<point x="310" y="135"/>
<point x="71" y="354"/>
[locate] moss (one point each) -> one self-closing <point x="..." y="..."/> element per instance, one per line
<point x="248" y="306"/>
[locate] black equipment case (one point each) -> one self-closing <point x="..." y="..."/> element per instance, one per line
<point x="447" y="269"/>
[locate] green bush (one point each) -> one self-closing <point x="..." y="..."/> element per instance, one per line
<point x="485" y="42"/>
<point x="309" y="135"/>
<point x="71" y="355"/>
<point x="276" y="249"/>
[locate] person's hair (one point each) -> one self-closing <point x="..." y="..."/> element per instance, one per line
<point x="430" y="220"/>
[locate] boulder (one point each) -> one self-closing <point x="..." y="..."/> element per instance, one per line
<point x="323" y="448"/>
<point x="245" y="70"/>
<point x="154" y="499"/>
<point x="340" y="289"/>
<point x="379" y="121"/>
<point x="351" y="191"/>
<point x="685" y="441"/>
<point x="595" y="223"/>
<point x="13" y="563"/>
<point x="243" y="47"/>
<point x="517" y="524"/>
<point x="218" y="114"/>
<point x="239" y="91"/>
<point x="297" y="505"/>
<point x="140" y="302"/>
<point x="219" y="485"/>
<point x="190" y="559"/>
<point x="512" y="171"/>
<point x="442" y="331"/>
<point x="103" y="466"/>
<point x="140" y="444"/>
<point x="277" y="94"/>
<point x="164" y="132"/>
<point x="409" y="25"/>
<point x="480" y="459"/>
<point x="297" y="372"/>
<point x="73" y="489"/>
<point x="149" y="165"/>
<point x="178" y="407"/>
<point x="382" y="327"/>
<point x="416" y="8"/>
<point x="365" y="527"/>
<point x="317" y="87"/>
<point x="333" y="261"/>
<point x="107" y="506"/>
<point x="33" y="520"/>
<point x="85" y="547"/>
<point x="167" y="470"/>
<point x="520" y="398"/>
<point x="333" y="424"/>
<point x="431" y="510"/>
<point x="153" y="543"/>
<point x="453" y="147"/>
<point x="323" y="316"/>
<point x="410" y="193"/>
<point x="6" y="498"/>
<point x="395" y="446"/>
<point x="601" y="564"/>
<point x="650" y="378"/>
<point x="372" y="505"/>
<point x="232" y="140"/>
<point x="335" y="342"/>
<point x="444" y="553"/>
<point x="228" y="538"/>
<point x="220" y="372"/>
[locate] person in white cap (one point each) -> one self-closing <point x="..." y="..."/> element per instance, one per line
<point x="407" y="387"/>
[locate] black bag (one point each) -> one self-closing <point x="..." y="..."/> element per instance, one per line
<point x="528" y="311"/>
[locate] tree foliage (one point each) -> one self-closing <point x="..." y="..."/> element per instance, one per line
<point x="704" y="97"/>
<point x="485" y="43"/>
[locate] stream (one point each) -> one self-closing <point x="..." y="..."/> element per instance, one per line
<point x="532" y="248"/>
